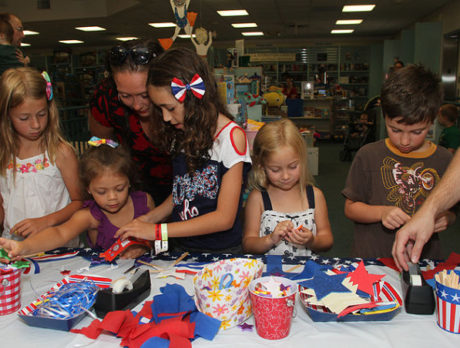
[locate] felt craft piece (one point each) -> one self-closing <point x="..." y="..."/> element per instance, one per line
<point x="323" y="284"/>
<point x="178" y="328"/>
<point x="364" y="280"/>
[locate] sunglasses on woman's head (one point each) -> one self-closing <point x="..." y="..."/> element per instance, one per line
<point x="139" y="55"/>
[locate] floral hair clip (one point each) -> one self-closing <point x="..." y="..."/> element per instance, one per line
<point x="49" y="87"/>
<point x="95" y="141"/>
<point x="179" y="88"/>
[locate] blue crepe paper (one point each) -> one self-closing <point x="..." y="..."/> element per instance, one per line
<point x="275" y="268"/>
<point x="156" y="342"/>
<point x="205" y="326"/>
<point x="174" y="301"/>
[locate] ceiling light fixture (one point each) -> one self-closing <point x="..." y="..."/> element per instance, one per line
<point x="23" y="44"/>
<point x="186" y="36"/>
<point x="127" y="38"/>
<point x="229" y="13"/>
<point x="30" y="32"/>
<point x="71" y="42"/>
<point x="253" y="33"/>
<point x="244" y="25"/>
<point x="348" y="21"/>
<point x="163" y="25"/>
<point x="358" y="8"/>
<point x="90" y="28"/>
<point x="342" y="31"/>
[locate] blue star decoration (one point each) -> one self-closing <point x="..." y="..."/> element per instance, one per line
<point x="323" y="284"/>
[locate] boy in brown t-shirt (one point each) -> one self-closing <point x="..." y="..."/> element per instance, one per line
<point x="390" y="178"/>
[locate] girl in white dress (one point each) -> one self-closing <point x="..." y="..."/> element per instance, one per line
<point x="285" y="214"/>
<point x="39" y="184"/>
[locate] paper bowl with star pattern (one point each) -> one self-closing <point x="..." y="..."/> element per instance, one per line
<point x="221" y="289"/>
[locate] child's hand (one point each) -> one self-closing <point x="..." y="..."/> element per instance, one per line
<point x="281" y="231"/>
<point x="12" y="247"/>
<point x="29" y="227"/>
<point x="136" y="229"/>
<point x="300" y="236"/>
<point x="133" y="252"/>
<point x="394" y="217"/>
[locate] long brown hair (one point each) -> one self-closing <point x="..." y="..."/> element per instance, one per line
<point x="15" y="86"/>
<point x="200" y="119"/>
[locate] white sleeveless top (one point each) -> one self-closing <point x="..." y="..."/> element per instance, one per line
<point x="37" y="190"/>
<point x="270" y="218"/>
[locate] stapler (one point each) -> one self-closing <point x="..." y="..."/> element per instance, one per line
<point x="418" y="295"/>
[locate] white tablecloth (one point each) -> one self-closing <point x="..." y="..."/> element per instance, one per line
<point x="405" y="330"/>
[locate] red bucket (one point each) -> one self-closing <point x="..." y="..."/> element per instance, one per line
<point x="10" y="292"/>
<point x="273" y="316"/>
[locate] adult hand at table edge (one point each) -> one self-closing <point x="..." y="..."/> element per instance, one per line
<point x="136" y="229"/>
<point x="411" y="238"/>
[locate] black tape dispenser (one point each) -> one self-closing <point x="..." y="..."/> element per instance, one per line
<point x="418" y="295"/>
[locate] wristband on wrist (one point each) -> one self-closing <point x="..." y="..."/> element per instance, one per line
<point x="161" y="238"/>
<point x="164" y="237"/>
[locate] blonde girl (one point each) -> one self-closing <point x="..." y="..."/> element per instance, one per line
<point x="106" y="175"/>
<point x="38" y="168"/>
<point x="285" y="213"/>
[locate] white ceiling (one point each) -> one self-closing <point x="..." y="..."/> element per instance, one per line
<point x="280" y="20"/>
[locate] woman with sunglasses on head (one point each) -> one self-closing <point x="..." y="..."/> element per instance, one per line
<point x="121" y="109"/>
<point x="210" y="160"/>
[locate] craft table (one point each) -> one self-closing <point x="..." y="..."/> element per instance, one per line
<point x="405" y="330"/>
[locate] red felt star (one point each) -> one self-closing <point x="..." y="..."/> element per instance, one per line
<point x="363" y="279"/>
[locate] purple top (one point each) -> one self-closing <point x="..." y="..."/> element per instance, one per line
<point x="106" y="230"/>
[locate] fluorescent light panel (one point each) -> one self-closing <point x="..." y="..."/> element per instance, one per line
<point x="30" y="32"/>
<point x="358" y="8"/>
<point x="229" y="13"/>
<point x="127" y="38"/>
<point x="23" y="44"/>
<point x="348" y="21"/>
<point x="186" y="36"/>
<point x="244" y="25"/>
<point x="90" y="28"/>
<point x="342" y="31"/>
<point x="71" y="42"/>
<point x="253" y="33"/>
<point x="163" y="25"/>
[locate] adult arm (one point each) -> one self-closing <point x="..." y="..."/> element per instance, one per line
<point x="67" y="163"/>
<point x="417" y="232"/>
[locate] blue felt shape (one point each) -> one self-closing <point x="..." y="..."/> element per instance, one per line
<point x="173" y="300"/>
<point x="275" y="268"/>
<point x="205" y="326"/>
<point x="324" y="284"/>
<point x="156" y="342"/>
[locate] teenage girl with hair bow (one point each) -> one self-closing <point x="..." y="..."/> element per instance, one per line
<point x="210" y="159"/>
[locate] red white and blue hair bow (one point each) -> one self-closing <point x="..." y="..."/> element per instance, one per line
<point x="179" y="88"/>
<point x="49" y="87"/>
<point x="95" y="141"/>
